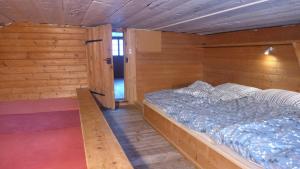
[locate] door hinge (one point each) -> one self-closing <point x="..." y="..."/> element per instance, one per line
<point x="94" y="92"/>
<point x="108" y="60"/>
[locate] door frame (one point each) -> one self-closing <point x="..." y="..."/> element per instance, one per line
<point x="130" y="65"/>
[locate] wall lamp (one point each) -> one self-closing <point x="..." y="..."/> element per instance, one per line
<point x="269" y="50"/>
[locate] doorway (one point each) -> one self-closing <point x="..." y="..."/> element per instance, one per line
<point x="118" y="59"/>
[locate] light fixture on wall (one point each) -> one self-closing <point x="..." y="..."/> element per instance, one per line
<point x="269" y="50"/>
<point x="269" y="59"/>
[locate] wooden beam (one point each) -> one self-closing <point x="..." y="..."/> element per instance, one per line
<point x="102" y="149"/>
<point x="250" y="44"/>
<point x="296" y="46"/>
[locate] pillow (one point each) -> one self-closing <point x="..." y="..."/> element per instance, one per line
<point x="241" y="90"/>
<point x="225" y="95"/>
<point x="279" y="97"/>
<point x="192" y="91"/>
<point x="197" y="89"/>
<point x="200" y="85"/>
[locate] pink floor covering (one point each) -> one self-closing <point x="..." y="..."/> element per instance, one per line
<point x="44" y="134"/>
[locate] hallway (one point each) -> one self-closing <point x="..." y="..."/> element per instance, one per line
<point x="119" y="89"/>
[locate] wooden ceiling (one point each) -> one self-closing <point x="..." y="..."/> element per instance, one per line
<point x="193" y="16"/>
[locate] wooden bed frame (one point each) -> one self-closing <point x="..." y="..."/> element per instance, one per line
<point x="197" y="147"/>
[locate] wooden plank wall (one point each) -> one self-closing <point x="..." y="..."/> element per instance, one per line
<point x="178" y="64"/>
<point x="41" y="61"/>
<point x="248" y="65"/>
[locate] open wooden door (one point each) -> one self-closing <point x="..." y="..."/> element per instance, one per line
<point x="130" y="66"/>
<point x="100" y="61"/>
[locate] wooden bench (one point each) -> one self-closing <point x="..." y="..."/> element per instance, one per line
<point x="102" y="149"/>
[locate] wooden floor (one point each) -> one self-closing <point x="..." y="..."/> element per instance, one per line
<point x="144" y="147"/>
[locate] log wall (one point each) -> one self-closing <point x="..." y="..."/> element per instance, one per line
<point x="239" y="57"/>
<point x="178" y="64"/>
<point x="41" y="61"/>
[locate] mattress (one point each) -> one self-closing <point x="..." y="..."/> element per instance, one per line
<point x="205" y="139"/>
<point x="261" y="132"/>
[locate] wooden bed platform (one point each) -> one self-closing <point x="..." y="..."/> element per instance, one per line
<point x="102" y="150"/>
<point x="197" y="147"/>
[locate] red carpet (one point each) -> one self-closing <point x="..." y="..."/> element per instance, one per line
<point x="45" y="140"/>
<point x="34" y="106"/>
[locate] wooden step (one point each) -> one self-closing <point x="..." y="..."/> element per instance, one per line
<point x="102" y="149"/>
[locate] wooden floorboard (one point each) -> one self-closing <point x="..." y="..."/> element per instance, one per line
<point x="144" y="147"/>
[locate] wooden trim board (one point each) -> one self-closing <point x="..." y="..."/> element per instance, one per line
<point x="296" y="46"/>
<point x="197" y="147"/>
<point x="102" y="150"/>
<point x="288" y="42"/>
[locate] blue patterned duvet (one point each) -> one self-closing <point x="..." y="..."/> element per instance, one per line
<point x="264" y="133"/>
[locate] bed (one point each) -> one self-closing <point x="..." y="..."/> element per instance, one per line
<point x="212" y="132"/>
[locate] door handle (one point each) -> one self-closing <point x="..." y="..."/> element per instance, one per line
<point x="108" y="61"/>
